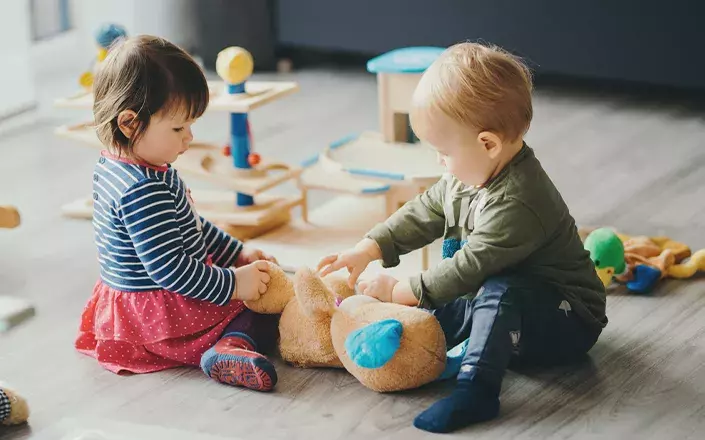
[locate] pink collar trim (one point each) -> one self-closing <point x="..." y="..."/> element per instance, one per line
<point x="109" y="155"/>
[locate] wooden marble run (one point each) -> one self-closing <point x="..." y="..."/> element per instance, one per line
<point x="392" y="163"/>
<point x="244" y="209"/>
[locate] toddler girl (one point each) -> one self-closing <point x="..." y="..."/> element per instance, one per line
<point x="167" y="295"/>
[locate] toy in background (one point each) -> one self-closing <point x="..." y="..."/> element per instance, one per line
<point x="639" y="262"/>
<point x="391" y="162"/>
<point x="249" y="212"/>
<point x="387" y="347"/>
<point x="105" y="36"/>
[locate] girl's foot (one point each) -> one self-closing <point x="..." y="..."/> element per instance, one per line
<point x="234" y="361"/>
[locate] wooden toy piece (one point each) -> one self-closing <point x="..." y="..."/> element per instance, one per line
<point x="367" y="165"/>
<point x="398" y="73"/>
<point x="9" y="217"/>
<point x="234" y="65"/>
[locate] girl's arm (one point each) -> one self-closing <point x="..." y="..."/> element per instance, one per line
<point x="222" y="246"/>
<point x="148" y="212"/>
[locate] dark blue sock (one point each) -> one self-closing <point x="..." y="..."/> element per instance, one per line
<point x="469" y="403"/>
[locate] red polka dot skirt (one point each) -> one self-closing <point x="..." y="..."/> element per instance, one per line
<point x="143" y="332"/>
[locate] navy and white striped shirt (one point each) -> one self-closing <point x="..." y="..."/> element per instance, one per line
<point x="150" y="237"/>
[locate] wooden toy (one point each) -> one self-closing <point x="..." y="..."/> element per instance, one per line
<point x="13" y="311"/>
<point x="391" y="163"/>
<point x="245" y="210"/>
<point x="398" y="73"/>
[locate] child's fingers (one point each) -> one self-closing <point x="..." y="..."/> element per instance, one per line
<point x="264" y="277"/>
<point x="354" y="275"/>
<point x="363" y="286"/>
<point x="326" y="261"/>
<point x="262" y="289"/>
<point x="262" y="265"/>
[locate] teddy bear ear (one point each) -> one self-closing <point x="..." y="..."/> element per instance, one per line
<point x="279" y="292"/>
<point x="314" y="296"/>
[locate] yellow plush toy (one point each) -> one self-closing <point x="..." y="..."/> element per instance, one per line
<point x="387" y="347"/>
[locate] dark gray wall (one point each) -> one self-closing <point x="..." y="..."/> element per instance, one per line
<point x="655" y="42"/>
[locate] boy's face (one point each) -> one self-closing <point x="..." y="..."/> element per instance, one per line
<point x="465" y="152"/>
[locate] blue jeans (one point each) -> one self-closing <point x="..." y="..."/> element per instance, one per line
<point x="514" y="320"/>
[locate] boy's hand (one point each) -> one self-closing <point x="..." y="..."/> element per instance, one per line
<point x="251" y="281"/>
<point x="249" y="255"/>
<point x="380" y="287"/>
<point x="355" y="260"/>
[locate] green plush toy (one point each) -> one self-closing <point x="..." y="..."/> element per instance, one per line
<point x="607" y="252"/>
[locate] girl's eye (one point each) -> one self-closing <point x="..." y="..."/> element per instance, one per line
<point x="179" y="129"/>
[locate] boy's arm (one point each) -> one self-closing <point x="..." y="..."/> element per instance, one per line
<point x="418" y="223"/>
<point x="222" y="246"/>
<point x="507" y="232"/>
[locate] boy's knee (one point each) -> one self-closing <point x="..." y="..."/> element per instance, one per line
<point x="496" y="289"/>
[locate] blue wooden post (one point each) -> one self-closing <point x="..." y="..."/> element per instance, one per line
<point x="240" y="142"/>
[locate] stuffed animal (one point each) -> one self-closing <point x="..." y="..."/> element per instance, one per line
<point x="640" y="262"/>
<point x="387" y="347"/>
<point x="13" y="408"/>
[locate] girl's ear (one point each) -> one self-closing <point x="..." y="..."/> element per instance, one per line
<point x="127" y="122"/>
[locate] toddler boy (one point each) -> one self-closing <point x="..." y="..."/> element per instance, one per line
<point x="515" y="278"/>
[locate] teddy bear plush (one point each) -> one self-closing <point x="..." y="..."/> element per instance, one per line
<point x="387" y="347"/>
<point x="13" y="408"/>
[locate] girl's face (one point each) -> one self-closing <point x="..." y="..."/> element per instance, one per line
<point x="166" y="138"/>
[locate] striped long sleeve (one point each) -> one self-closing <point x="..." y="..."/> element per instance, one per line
<point x="220" y="245"/>
<point x="148" y="212"/>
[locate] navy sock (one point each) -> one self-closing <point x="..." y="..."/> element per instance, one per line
<point x="469" y="403"/>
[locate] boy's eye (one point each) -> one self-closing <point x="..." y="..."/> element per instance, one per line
<point x="178" y="129"/>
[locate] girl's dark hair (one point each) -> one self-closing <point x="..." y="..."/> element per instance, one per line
<point x="147" y="75"/>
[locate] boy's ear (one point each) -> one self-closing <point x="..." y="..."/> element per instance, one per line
<point x="491" y="142"/>
<point x="127" y="121"/>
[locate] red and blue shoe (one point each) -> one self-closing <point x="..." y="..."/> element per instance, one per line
<point x="234" y="361"/>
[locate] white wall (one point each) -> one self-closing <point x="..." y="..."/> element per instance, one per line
<point x="171" y="19"/>
<point x="75" y="50"/>
<point x="16" y="85"/>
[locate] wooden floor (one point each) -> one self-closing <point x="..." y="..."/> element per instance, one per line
<point x="631" y="163"/>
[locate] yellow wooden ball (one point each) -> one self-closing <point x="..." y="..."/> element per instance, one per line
<point x="102" y="53"/>
<point x="234" y="65"/>
<point x="86" y="80"/>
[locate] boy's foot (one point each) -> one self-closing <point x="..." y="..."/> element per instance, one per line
<point x="234" y="361"/>
<point x="469" y="403"/>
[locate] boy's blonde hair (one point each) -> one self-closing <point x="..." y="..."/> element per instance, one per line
<point x="147" y="75"/>
<point x="480" y="86"/>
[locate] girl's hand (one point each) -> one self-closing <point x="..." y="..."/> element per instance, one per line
<point x="249" y="255"/>
<point x="355" y="260"/>
<point x="380" y="287"/>
<point x="251" y="281"/>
